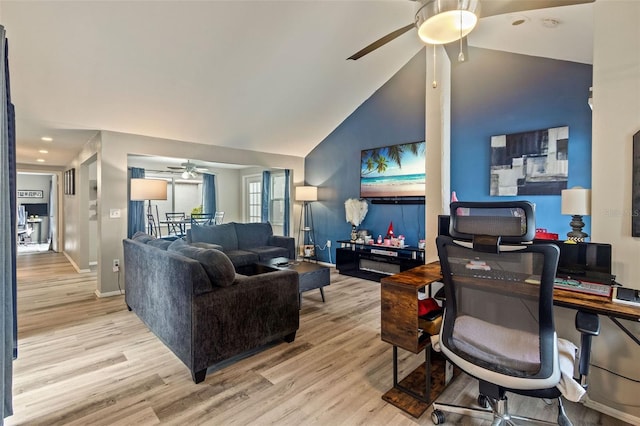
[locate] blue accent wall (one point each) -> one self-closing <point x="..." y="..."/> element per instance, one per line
<point x="493" y="93"/>
<point x="497" y="93"/>
<point x="395" y="113"/>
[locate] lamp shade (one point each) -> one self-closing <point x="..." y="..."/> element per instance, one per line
<point x="148" y="189"/>
<point x="306" y="193"/>
<point x="576" y="201"/>
<point x="444" y="21"/>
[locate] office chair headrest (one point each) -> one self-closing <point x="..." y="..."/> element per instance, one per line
<point x="512" y="222"/>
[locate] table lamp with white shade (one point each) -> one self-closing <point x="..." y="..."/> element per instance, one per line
<point x="577" y="203"/>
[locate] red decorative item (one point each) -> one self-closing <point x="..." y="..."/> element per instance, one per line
<point x="542" y="234"/>
<point x="390" y="230"/>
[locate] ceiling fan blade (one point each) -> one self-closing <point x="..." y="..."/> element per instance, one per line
<point x="499" y="7"/>
<point x="175" y="168"/>
<point x="453" y="51"/>
<point x="381" y="42"/>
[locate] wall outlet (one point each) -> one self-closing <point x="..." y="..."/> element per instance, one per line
<point x="116" y="265"/>
<point x="328" y="243"/>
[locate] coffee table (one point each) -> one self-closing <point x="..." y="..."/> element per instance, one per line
<point x="311" y="275"/>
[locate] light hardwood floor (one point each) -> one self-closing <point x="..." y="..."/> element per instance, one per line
<point x="89" y="361"/>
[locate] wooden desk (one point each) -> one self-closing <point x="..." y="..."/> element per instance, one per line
<point x="399" y="327"/>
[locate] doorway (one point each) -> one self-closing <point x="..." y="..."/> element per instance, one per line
<point x="38" y="216"/>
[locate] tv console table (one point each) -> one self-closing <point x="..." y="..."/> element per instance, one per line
<point x="375" y="261"/>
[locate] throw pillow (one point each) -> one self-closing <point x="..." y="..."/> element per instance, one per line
<point x="207" y="246"/>
<point x="216" y="264"/>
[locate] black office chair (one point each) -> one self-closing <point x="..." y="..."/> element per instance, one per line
<point x="202" y="219"/>
<point x="498" y="323"/>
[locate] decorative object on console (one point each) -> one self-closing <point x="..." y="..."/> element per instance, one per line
<point x="306" y="232"/>
<point x="355" y="212"/>
<point x="148" y="189"/>
<point x="577" y="203"/>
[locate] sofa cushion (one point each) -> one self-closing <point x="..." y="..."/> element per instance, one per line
<point x="269" y="252"/>
<point x="242" y="257"/>
<point x="160" y="243"/>
<point x="252" y="235"/>
<point x="223" y="235"/>
<point x="142" y="237"/>
<point x="216" y="264"/>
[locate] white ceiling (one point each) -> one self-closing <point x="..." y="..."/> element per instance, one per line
<point x="264" y="75"/>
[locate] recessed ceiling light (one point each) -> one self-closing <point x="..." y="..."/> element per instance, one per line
<point x="550" y="22"/>
<point x="518" y="20"/>
<point x="47" y="138"/>
<point x="43" y="151"/>
<point x="40" y="160"/>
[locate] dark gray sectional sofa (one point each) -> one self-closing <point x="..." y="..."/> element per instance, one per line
<point x="244" y="243"/>
<point x="193" y="300"/>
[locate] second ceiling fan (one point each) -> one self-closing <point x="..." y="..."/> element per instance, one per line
<point x="448" y="22"/>
<point x="190" y="170"/>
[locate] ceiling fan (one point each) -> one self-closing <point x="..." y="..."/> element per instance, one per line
<point x="448" y="22"/>
<point x="190" y="170"/>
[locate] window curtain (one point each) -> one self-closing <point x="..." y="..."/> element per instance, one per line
<point x="8" y="213"/>
<point x="208" y="193"/>
<point x="266" y="195"/>
<point x="135" y="219"/>
<point x="287" y="201"/>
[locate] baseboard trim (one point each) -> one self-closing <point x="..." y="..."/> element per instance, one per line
<point x="75" y="266"/>
<point x="109" y="293"/>
<point x="605" y="409"/>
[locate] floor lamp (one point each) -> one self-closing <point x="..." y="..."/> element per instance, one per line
<point x="149" y="189"/>
<point x="306" y="237"/>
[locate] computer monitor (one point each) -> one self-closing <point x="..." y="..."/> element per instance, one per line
<point x="36" y="209"/>
<point x="582" y="259"/>
<point x="443" y="224"/>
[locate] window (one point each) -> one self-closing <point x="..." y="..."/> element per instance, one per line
<point x="254" y="198"/>
<point x="276" y="209"/>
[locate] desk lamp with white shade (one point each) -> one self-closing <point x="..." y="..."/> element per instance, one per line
<point x="577" y="203"/>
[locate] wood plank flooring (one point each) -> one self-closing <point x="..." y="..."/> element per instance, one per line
<point x="88" y="361"/>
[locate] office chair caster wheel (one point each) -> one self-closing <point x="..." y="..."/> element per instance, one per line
<point x="483" y="401"/>
<point x="437" y="417"/>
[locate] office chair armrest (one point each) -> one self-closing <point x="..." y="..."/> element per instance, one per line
<point x="588" y="325"/>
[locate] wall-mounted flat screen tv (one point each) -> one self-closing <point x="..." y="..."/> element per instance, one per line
<point x="396" y="171"/>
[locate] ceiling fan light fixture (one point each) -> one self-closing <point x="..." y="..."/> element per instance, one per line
<point x="444" y="21"/>
<point x="185" y="175"/>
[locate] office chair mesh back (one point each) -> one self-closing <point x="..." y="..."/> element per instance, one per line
<point x="498" y="323"/>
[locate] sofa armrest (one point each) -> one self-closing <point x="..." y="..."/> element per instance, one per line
<point x="254" y="311"/>
<point x="286" y="242"/>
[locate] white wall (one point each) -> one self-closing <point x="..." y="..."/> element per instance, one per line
<point x="616" y="117"/>
<point x="112" y="149"/>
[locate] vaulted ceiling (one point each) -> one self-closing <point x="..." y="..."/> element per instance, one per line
<point x="264" y="75"/>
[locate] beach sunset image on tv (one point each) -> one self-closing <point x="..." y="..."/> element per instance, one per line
<point x="393" y="171"/>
